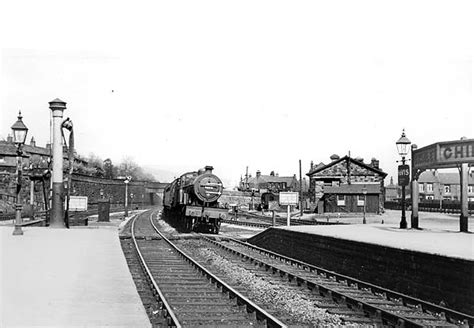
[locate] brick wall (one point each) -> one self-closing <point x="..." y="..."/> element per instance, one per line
<point x="429" y="277"/>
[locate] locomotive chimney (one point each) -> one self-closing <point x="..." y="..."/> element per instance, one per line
<point x="208" y="168"/>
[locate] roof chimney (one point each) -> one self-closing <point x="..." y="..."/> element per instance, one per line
<point x="374" y="163"/>
<point x="208" y="169"/>
<point x="9" y="138"/>
<point x="272" y="173"/>
<point x="33" y="142"/>
<point x="258" y="174"/>
<point x="312" y="164"/>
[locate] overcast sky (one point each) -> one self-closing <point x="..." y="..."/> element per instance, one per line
<point x="183" y="84"/>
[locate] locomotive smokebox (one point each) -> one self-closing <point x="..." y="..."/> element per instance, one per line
<point x="208" y="169"/>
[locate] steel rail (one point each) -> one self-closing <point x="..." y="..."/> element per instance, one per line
<point x="261" y="314"/>
<point x="283" y="221"/>
<point x="248" y="224"/>
<point x="169" y="314"/>
<point x="452" y="316"/>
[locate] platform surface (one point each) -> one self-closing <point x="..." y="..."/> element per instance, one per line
<point x="439" y="233"/>
<point x="66" y="278"/>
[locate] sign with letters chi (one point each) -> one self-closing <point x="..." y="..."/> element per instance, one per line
<point x="444" y="154"/>
<point x="403" y="175"/>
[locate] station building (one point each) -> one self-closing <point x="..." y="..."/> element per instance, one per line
<point x="345" y="185"/>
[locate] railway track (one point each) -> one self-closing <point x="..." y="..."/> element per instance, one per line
<point x="318" y="297"/>
<point x="261" y="221"/>
<point x="186" y="294"/>
<point x="385" y="306"/>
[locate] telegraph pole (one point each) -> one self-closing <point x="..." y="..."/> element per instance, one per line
<point x="301" y="192"/>
<point x="246" y="178"/>
<point x="57" y="106"/>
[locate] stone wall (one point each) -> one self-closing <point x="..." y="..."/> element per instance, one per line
<point x="433" y="278"/>
<point x="140" y="192"/>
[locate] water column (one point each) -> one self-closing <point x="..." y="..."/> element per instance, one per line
<point x="57" y="106"/>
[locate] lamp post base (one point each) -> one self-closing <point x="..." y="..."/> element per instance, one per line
<point x="463" y="223"/>
<point x="403" y="224"/>
<point x="17" y="231"/>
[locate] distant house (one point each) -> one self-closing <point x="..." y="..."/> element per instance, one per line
<point x="434" y="185"/>
<point x="339" y="186"/>
<point x="392" y="191"/>
<point x="8" y="154"/>
<point x="8" y="165"/>
<point x="270" y="183"/>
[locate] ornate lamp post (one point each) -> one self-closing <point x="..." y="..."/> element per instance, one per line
<point x="126" y="181"/>
<point x="364" y="191"/>
<point x="403" y="146"/>
<point x="19" y="137"/>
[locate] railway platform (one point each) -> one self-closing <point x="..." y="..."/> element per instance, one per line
<point x="74" y="277"/>
<point x="433" y="240"/>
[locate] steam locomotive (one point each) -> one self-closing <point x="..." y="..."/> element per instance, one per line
<point x="190" y="203"/>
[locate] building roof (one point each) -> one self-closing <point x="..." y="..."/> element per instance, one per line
<point x="271" y="179"/>
<point x="352" y="189"/>
<point x="35" y="150"/>
<point x="319" y="168"/>
<point x="443" y="178"/>
<point x="7" y="148"/>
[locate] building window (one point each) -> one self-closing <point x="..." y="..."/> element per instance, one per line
<point x="421" y="187"/>
<point x="429" y="187"/>
<point x="470" y="189"/>
<point x="341" y="200"/>
<point x="447" y="189"/>
<point x="429" y="197"/>
<point x="360" y="200"/>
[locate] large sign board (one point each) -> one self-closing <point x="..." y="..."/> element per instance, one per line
<point x="78" y="203"/>
<point x="444" y="154"/>
<point x="288" y="198"/>
<point x="403" y="175"/>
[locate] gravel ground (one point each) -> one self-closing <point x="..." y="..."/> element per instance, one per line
<point x="286" y="300"/>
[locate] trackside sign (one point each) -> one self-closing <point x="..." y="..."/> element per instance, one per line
<point x="78" y="203"/>
<point x="444" y="154"/>
<point x="288" y="198"/>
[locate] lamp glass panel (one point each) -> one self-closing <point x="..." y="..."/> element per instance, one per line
<point x="19" y="136"/>
<point x="402" y="148"/>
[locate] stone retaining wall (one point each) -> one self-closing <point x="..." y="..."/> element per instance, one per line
<point x="140" y="192"/>
<point x="433" y="278"/>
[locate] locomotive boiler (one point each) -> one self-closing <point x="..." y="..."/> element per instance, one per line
<point x="190" y="202"/>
